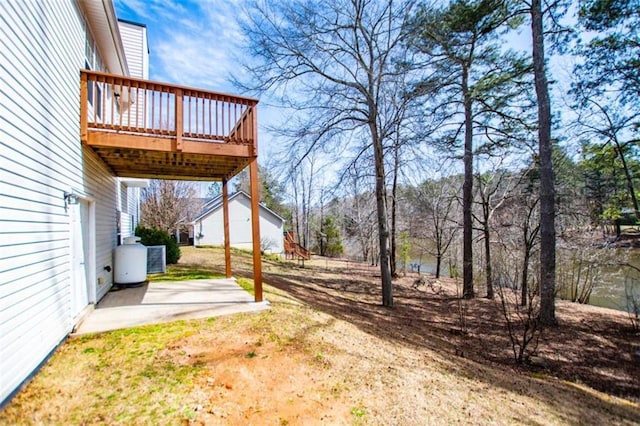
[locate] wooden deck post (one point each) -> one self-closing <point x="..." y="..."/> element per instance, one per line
<point x="255" y="226"/>
<point x="83" y="107"/>
<point x="225" y="216"/>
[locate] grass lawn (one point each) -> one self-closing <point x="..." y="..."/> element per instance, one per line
<point x="325" y="353"/>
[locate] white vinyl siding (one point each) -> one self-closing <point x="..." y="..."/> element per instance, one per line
<point x="102" y="187"/>
<point x="133" y="204"/>
<point x="134" y="41"/>
<point x="129" y="203"/>
<point x="42" y="49"/>
<point x="240" y="231"/>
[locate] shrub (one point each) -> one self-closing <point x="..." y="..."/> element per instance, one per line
<point x="158" y="237"/>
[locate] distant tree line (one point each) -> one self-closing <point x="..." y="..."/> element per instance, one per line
<point x="386" y="91"/>
<point x="426" y="124"/>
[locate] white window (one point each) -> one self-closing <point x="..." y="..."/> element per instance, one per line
<point x="92" y="62"/>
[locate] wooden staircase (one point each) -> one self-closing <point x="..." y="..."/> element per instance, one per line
<point x="293" y="250"/>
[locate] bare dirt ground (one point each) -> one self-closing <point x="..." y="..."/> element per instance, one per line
<point x="592" y="349"/>
<point x="327" y="353"/>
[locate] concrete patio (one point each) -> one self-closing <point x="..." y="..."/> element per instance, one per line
<point x="159" y="302"/>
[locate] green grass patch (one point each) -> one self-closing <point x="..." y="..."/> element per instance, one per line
<point x="272" y="257"/>
<point x="234" y="250"/>
<point x="247" y="285"/>
<point x="185" y="273"/>
<point x="358" y="413"/>
<point x="136" y="376"/>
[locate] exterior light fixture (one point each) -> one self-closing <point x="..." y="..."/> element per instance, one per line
<point x="70" y="199"/>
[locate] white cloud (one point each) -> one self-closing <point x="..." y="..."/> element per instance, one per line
<point x="193" y="61"/>
<point x="190" y="43"/>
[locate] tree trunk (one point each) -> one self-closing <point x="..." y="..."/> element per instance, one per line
<point x="394" y="188"/>
<point x="383" y="231"/>
<point x="438" y="264"/>
<point x="467" y="192"/>
<point x="487" y="249"/>
<point x="302" y="236"/>
<point x="322" y="236"/>
<point x="525" y="274"/>
<point x="381" y="208"/>
<point x="547" y="194"/>
<point x="296" y="208"/>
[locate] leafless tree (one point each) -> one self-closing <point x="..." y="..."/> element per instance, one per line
<point x="518" y="228"/>
<point x="338" y="60"/>
<point x="522" y="319"/>
<point x="359" y="220"/>
<point x="435" y="205"/>
<point x="632" y="294"/>
<point x="530" y="230"/>
<point x="169" y="205"/>
<point x="493" y="190"/>
<point x="301" y="185"/>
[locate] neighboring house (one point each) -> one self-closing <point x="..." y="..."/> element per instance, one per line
<point x="208" y="226"/>
<point x="79" y="121"/>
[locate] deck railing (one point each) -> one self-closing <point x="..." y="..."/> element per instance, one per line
<point x="293" y="249"/>
<point x="113" y="103"/>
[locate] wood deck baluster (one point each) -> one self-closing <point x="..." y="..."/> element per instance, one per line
<point x="179" y="119"/>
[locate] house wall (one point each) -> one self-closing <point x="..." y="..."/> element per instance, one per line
<point x="134" y="41"/>
<point x="133" y="208"/>
<point x="128" y="206"/>
<point x="240" y="232"/>
<point x="42" y="49"/>
<point x="102" y="187"/>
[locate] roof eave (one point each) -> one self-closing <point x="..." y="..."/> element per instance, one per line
<point x="216" y="203"/>
<point x="102" y="19"/>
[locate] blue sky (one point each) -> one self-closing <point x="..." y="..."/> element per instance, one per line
<point x="190" y="42"/>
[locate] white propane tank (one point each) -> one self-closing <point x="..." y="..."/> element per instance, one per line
<point x="130" y="262"/>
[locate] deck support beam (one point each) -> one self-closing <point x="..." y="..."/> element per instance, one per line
<point x="255" y="227"/>
<point x="225" y="216"/>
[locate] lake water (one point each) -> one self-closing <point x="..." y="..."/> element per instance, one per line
<point x="609" y="292"/>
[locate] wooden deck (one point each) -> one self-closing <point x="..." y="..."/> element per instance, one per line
<point x="147" y="129"/>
